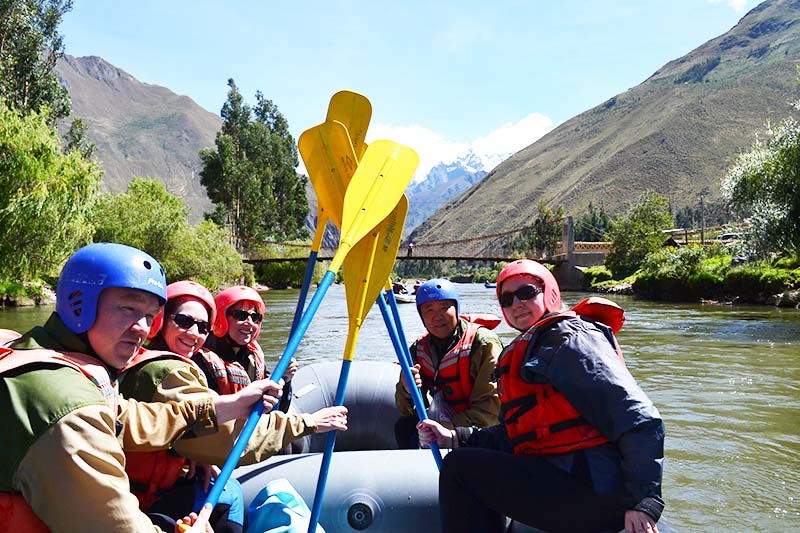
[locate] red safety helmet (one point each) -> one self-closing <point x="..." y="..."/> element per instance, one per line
<point x="551" y="295"/>
<point x="230" y="296"/>
<point x="189" y="289"/>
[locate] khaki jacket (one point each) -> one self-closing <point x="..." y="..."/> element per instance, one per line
<point x="73" y="476"/>
<point x="484" y="402"/>
<point x="275" y="430"/>
<point x="71" y="470"/>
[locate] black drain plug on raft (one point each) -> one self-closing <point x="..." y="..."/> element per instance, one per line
<point x="359" y="516"/>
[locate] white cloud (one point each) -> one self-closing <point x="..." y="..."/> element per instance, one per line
<point x="431" y="147"/>
<point x="513" y="137"/>
<point x="493" y="147"/>
<point x="737" y="5"/>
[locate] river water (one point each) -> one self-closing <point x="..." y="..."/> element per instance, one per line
<point x="725" y="378"/>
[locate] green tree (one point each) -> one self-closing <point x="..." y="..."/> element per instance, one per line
<point x="765" y="183"/>
<point x="251" y="176"/>
<point x="716" y="213"/>
<point x="146" y="216"/>
<point x="592" y="225"/>
<point x="30" y="46"/>
<point x="637" y="233"/>
<point x="75" y="139"/>
<point x="542" y="239"/>
<point x="149" y="217"/>
<point x="45" y="196"/>
<point x="202" y="253"/>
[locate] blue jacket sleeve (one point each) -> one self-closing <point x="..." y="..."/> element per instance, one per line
<point x="577" y="358"/>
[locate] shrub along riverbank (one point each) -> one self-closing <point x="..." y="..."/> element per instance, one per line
<point x="715" y="273"/>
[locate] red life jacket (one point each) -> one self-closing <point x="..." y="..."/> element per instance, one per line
<point x="231" y="377"/>
<point x="538" y="418"/>
<point x="15" y="513"/>
<point x="152" y="473"/>
<point x="452" y="376"/>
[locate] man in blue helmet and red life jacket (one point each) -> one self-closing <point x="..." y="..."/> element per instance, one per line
<point x="454" y="362"/>
<point x="159" y="478"/>
<point x="580" y="446"/>
<point x="64" y="424"/>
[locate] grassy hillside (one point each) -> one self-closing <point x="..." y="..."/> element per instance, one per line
<point x="140" y="129"/>
<point x="676" y="133"/>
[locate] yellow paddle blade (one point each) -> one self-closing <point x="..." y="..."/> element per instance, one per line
<point x="354" y="111"/>
<point x="367" y="268"/>
<point x="330" y="161"/>
<point x="374" y="192"/>
<point x="319" y="231"/>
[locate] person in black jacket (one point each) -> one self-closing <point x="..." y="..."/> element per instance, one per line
<point x="580" y="446"/>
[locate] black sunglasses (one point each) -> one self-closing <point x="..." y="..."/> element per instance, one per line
<point x="186" y="322"/>
<point x="241" y="316"/>
<point x="526" y="292"/>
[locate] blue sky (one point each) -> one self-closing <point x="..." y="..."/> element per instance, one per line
<point x="443" y="76"/>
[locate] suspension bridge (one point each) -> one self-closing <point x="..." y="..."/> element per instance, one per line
<point x="566" y="256"/>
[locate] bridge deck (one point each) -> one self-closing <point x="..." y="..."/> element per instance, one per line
<point x="402" y="258"/>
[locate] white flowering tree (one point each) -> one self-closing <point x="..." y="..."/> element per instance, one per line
<point x="764" y="184"/>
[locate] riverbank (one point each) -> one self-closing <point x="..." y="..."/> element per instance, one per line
<point x="787" y="299"/>
<point x="751" y="286"/>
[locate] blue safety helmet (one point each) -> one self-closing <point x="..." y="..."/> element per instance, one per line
<point x="437" y="289"/>
<point x="101" y="266"/>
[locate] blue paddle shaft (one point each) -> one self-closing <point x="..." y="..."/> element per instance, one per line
<point x="277" y="374"/>
<point x="301" y="300"/>
<point x="330" y="442"/>
<point x="401" y="336"/>
<point x="404" y="357"/>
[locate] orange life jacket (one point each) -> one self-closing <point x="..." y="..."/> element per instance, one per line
<point x="230" y="377"/>
<point x="15" y="513"/>
<point x="538" y="418"/>
<point x="152" y="473"/>
<point x="452" y="376"/>
<point x="85" y="364"/>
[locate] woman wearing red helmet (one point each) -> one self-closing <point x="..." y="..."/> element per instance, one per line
<point x="235" y="330"/>
<point x="238" y="359"/>
<point x="579" y="447"/>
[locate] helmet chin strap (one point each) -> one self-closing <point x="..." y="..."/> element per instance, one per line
<point x="194" y="348"/>
<point x="232" y="342"/>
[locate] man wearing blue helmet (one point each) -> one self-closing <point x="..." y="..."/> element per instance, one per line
<point x="454" y="362"/>
<point x="64" y="424"/>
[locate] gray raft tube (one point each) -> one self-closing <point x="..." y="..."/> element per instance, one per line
<point x="372" y="486"/>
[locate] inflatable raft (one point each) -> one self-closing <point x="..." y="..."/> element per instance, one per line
<point x="405" y="298"/>
<point x="372" y="486"/>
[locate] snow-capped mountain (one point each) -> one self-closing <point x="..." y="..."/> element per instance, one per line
<point x="444" y="182"/>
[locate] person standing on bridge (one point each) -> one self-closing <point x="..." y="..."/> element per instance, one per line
<point x="454" y="362"/>
<point x="580" y="446"/>
<point x="174" y="482"/>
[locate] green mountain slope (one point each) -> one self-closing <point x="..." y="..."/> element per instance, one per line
<point x="676" y="133"/>
<point x="140" y="129"/>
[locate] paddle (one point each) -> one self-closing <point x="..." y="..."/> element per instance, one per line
<point x="352" y="112"/>
<point x="374" y="190"/>
<point x="366" y="266"/>
<point x="395" y="329"/>
<point x="401" y="336"/>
